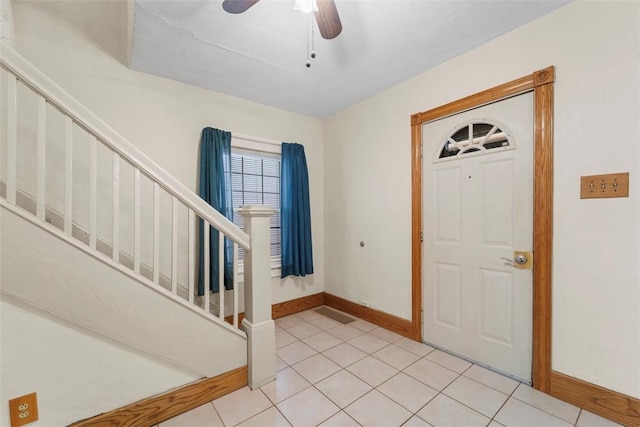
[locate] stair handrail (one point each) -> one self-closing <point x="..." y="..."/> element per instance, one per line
<point x="40" y="83"/>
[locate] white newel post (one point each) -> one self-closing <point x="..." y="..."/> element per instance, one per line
<point x="257" y="322"/>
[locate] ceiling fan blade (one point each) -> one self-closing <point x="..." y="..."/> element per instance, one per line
<point x="328" y="19"/>
<point x="237" y="6"/>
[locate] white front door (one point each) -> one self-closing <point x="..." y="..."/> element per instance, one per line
<point x="478" y="210"/>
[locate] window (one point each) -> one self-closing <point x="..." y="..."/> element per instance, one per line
<point x="255" y="180"/>
<point x="475" y="137"/>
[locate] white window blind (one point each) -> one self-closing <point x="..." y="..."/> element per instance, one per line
<point x="256" y="181"/>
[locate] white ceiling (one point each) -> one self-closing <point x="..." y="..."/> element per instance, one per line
<point x="260" y="55"/>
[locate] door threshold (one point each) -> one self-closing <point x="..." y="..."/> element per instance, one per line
<point x="475" y="362"/>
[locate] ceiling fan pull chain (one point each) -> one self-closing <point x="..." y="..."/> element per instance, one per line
<point x="313" y="38"/>
<point x="308" y="60"/>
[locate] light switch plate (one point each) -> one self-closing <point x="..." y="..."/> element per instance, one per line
<point x="604" y="186"/>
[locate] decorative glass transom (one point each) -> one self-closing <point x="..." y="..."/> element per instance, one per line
<point x="477" y="137"/>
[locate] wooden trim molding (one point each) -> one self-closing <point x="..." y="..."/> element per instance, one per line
<point x="615" y="406"/>
<point x="384" y="320"/>
<point x="160" y="408"/>
<point x="297" y="305"/>
<point x="515" y="87"/>
<point x="286" y="308"/>
<point x="542" y="84"/>
<point x="416" y="226"/>
<point x="542" y="226"/>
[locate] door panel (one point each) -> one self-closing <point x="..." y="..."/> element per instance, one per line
<point x="448" y="295"/>
<point x="478" y="209"/>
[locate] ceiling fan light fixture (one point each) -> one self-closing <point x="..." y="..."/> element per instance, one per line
<point x="305" y="6"/>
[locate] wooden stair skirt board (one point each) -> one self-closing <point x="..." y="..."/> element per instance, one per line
<point x="607" y="403"/>
<point x="154" y="410"/>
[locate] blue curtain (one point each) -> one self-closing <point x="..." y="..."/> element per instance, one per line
<point x="295" y="213"/>
<point x="215" y="189"/>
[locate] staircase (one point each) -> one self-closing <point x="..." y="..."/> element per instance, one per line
<point x="97" y="235"/>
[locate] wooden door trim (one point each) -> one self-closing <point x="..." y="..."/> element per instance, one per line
<point x="541" y="83"/>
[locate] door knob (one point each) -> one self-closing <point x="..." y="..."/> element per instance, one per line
<point x="521" y="259"/>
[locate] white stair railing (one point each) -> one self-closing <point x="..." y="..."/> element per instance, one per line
<point x="66" y="170"/>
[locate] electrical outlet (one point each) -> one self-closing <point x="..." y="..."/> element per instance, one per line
<point x="604" y="186"/>
<point x="23" y="410"/>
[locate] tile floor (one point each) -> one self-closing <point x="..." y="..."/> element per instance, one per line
<point x="358" y="374"/>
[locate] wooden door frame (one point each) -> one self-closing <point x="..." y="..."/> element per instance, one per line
<point x="541" y="83"/>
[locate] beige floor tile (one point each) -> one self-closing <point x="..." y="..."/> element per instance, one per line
<point x="386" y="335"/>
<point x="416" y="421"/>
<point x="294" y="353"/>
<point x="414" y="346"/>
<point x="432" y="374"/>
<point x="443" y="411"/>
<point x="322" y="341"/>
<point x="395" y="356"/>
<point x="363" y="325"/>
<point x="307" y="408"/>
<point x="309" y="315"/>
<point x="492" y="379"/>
<point x="284" y="338"/>
<point x="344" y="354"/>
<point x="299" y="403"/>
<point x="547" y="403"/>
<point x="316" y="368"/>
<point x="477" y="396"/>
<point x="271" y="417"/>
<point x="346" y="332"/>
<point x="588" y="419"/>
<point x="280" y="364"/>
<point x="343" y="388"/>
<point x="448" y="361"/>
<point x="304" y="330"/>
<point x="325" y="323"/>
<point x="368" y="343"/>
<point x="287" y="383"/>
<point x="241" y="405"/>
<point x="341" y="419"/>
<point x="289" y="321"/>
<point x="515" y="413"/>
<point x="375" y="409"/>
<point x="202" y="416"/>
<point x="372" y="371"/>
<point x="407" y="391"/>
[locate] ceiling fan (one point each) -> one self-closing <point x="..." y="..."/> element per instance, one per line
<point x="326" y="16"/>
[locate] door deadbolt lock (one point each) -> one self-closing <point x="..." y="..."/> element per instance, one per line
<point x="522" y="260"/>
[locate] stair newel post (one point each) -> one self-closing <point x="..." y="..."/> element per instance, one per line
<point x="257" y="323"/>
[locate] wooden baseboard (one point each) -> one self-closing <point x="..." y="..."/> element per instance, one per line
<point x="607" y="403"/>
<point x="286" y="308"/>
<point x="384" y="320"/>
<point x="297" y="305"/>
<point x="154" y="410"/>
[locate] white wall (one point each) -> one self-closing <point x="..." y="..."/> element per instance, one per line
<point x="75" y="375"/>
<point x="596" y="291"/>
<point x="82" y="47"/>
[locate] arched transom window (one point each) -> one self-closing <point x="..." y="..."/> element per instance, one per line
<point x="475" y="137"/>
